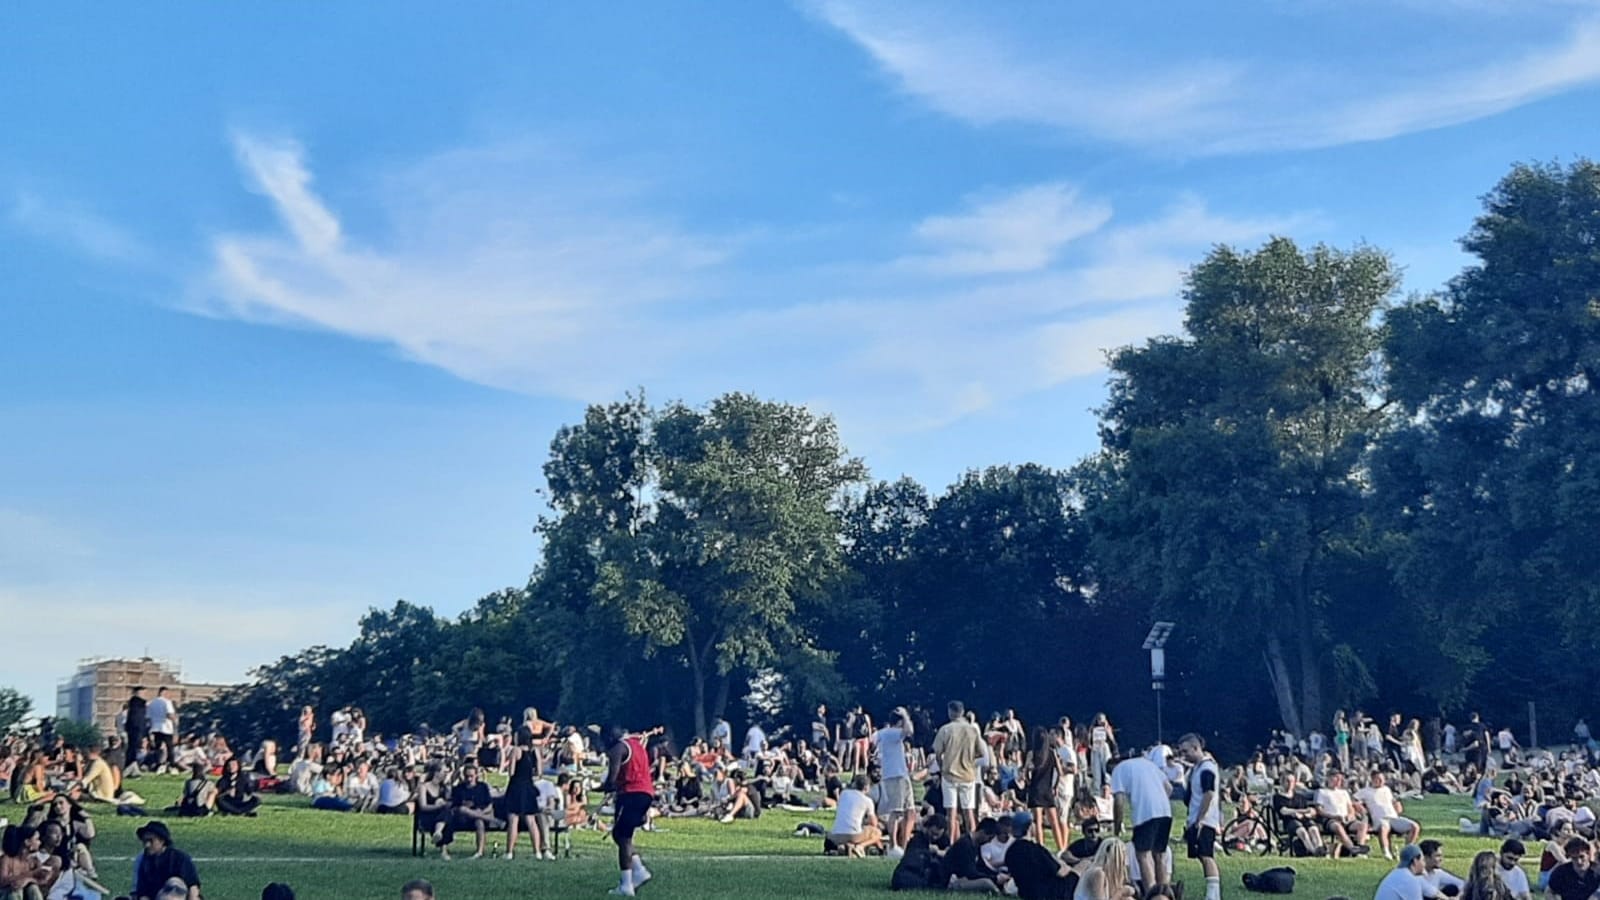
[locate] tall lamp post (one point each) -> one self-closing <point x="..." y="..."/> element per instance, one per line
<point x="1156" y="642"/>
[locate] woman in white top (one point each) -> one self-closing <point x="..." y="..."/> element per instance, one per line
<point x="1102" y="745"/>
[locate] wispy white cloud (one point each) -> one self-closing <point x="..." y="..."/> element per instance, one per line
<point x="560" y="284"/>
<point x="984" y="74"/>
<point x="83" y="231"/>
<point x="1021" y="230"/>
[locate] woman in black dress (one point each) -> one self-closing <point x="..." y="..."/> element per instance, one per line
<point x="1044" y="776"/>
<point x="522" y="798"/>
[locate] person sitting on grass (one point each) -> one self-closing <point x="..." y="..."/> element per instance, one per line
<point x="1404" y="881"/>
<point x="161" y="861"/>
<point x="1554" y="853"/>
<point x="737" y="802"/>
<point x="305" y="769"/>
<point x="1577" y="878"/>
<point x="576" y="806"/>
<point x="1436" y="881"/>
<point x="855" y="826"/>
<point x="1509" y="868"/>
<point x="964" y="861"/>
<point x="1482" y="881"/>
<point x="70" y="861"/>
<point x="236" y="790"/>
<point x="471" y="806"/>
<point x="921" y="867"/>
<point x="361" y="788"/>
<point x="266" y="765"/>
<point x="199" y="795"/>
<point x="395" y="794"/>
<point x="1106" y="876"/>
<point x="327" y="791"/>
<point x="1037" y="873"/>
<point x="21" y="875"/>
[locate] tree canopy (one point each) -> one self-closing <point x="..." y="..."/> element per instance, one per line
<point x="1341" y="496"/>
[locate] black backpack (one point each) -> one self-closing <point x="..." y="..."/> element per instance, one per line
<point x="1272" y="881"/>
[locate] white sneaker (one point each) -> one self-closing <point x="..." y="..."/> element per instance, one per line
<point x="727" y="819"/>
<point x="894" y="853"/>
<point x="640" y="875"/>
<point x="619" y="892"/>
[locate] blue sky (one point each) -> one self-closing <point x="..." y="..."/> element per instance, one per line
<point x="293" y="297"/>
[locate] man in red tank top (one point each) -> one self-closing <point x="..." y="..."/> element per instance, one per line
<point x="628" y="779"/>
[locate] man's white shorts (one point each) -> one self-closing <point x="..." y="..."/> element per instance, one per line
<point x="959" y="794"/>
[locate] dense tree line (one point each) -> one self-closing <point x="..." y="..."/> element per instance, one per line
<point x="1342" y="497"/>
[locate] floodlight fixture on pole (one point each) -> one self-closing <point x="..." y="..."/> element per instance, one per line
<point x="1156" y="642"/>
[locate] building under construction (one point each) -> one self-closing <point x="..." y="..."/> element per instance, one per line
<point x="97" y="691"/>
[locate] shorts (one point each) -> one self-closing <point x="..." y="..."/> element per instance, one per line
<point x="1153" y="835"/>
<point x="633" y="812"/>
<point x="897" y="796"/>
<point x="1202" y="841"/>
<point x="1401" y="825"/>
<point x="959" y="794"/>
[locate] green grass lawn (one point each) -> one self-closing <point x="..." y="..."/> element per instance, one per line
<point x="365" y="857"/>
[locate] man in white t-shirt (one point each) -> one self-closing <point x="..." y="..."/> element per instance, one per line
<point x="1509" y="868"/>
<point x="898" y="808"/>
<point x="855" y="825"/>
<point x="1384" y="811"/>
<point x="1338" y="814"/>
<point x="1140" y="788"/>
<point x="1404" y="882"/>
<point x="958" y="746"/>
<point x="163" y="716"/>
<point x="1205" y="810"/>
<point x="1436" y="882"/>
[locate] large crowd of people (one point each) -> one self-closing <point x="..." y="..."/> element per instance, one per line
<point x="1062" y="809"/>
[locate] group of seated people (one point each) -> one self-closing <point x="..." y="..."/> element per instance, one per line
<point x="47" y="854"/>
<point x="1002" y="856"/>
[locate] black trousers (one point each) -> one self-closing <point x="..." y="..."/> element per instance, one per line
<point x="136" y="737"/>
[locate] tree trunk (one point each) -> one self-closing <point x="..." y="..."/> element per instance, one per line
<point x="1282" y="686"/>
<point x="1310" y="681"/>
<point x="697" y="672"/>
<point x="1305" y="646"/>
<point x="719" y="707"/>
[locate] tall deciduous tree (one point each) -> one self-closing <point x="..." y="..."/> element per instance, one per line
<point x="1234" y="454"/>
<point x="700" y="532"/>
<point x="1493" y="485"/>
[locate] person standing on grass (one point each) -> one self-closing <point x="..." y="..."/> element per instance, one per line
<point x="138" y="725"/>
<point x="628" y="778"/>
<point x="1139" y="791"/>
<point x="1205" y="810"/>
<point x="898" y="808"/>
<point x="958" y="746"/>
<point x="163" y="716"/>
